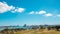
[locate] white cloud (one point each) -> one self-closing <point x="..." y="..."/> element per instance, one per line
<point x="4" y="7"/>
<point x="20" y="10"/>
<point x="38" y="12"/>
<point x="32" y="12"/>
<point x="42" y="12"/>
<point x="48" y="14"/>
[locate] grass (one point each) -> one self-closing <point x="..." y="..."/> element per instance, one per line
<point x="42" y="31"/>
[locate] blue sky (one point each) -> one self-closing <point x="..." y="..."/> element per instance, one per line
<point x="30" y="12"/>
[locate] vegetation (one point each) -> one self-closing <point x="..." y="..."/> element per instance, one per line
<point x="34" y="30"/>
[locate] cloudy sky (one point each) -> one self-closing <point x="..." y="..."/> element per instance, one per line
<point x="30" y="12"/>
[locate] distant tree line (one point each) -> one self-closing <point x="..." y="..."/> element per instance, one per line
<point x="49" y="27"/>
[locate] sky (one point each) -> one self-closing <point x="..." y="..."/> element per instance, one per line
<point x="30" y="12"/>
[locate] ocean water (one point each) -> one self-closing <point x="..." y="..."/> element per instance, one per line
<point x="2" y="29"/>
<point x="13" y="27"/>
